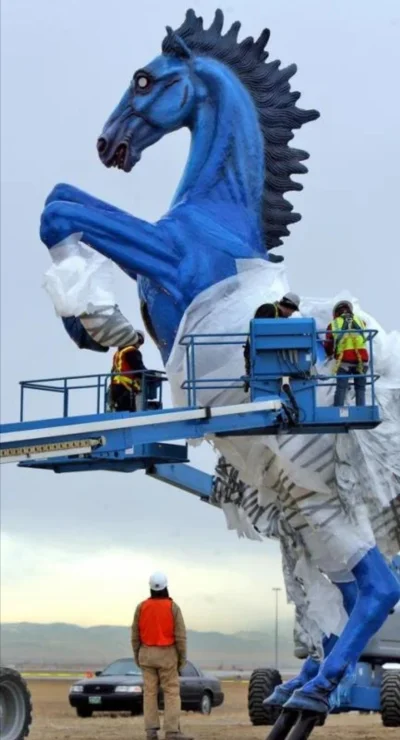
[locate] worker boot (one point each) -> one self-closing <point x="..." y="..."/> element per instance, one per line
<point x="151" y="734"/>
<point x="177" y="736"/>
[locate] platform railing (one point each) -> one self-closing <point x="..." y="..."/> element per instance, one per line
<point x="193" y="384"/>
<point x="100" y="382"/>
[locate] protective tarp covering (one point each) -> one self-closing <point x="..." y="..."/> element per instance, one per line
<point x="329" y="498"/>
<point x="80" y="282"/>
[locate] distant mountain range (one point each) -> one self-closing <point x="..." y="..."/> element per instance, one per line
<point x="26" y="645"/>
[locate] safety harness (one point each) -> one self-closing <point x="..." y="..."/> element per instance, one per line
<point x="353" y="339"/>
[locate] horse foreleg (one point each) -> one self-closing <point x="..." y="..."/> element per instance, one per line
<point x="77" y="332"/>
<point x="70" y="194"/>
<point x="378" y="592"/>
<point x="135" y="245"/>
<point x="311" y="666"/>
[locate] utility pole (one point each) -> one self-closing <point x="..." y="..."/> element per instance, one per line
<point x="276" y="624"/>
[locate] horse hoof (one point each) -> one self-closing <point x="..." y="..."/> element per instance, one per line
<point x="278" y="698"/>
<point x="301" y="701"/>
<point x="304" y="726"/>
<point x="283" y="725"/>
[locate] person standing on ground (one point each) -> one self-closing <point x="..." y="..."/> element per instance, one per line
<point x="159" y="646"/>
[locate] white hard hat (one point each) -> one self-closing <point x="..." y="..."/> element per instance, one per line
<point x="344" y="302"/>
<point x="291" y="299"/>
<point x="158" y="581"/>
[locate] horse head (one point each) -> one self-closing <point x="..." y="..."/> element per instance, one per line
<point x="230" y="205"/>
<point x="161" y="98"/>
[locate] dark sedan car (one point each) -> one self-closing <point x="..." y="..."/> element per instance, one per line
<point x="119" y="688"/>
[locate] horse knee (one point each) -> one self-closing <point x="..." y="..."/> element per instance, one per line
<point x="386" y="593"/>
<point x="61" y="191"/>
<point x="391" y="591"/>
<point x="349" y="591"/>
<point x="54" y="225"/>
<point x="376" y="580"/>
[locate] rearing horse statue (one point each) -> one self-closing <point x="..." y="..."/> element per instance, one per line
<point x="205" y="267"/>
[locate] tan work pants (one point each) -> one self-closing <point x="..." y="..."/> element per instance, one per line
<point x="160" y="668"/>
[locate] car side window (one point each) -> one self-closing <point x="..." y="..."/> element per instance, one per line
<point x="189" y="671"/>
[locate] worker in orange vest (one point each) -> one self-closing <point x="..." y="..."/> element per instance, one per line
<point x="159" y="645"/>
<point x="126" y="379"/>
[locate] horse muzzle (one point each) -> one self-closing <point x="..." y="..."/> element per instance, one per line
<point x="117" y="154"/>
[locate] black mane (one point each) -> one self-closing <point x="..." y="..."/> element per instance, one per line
<point x="276" y="106"/>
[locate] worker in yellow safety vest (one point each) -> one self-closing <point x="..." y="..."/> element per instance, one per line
<point x="126" y="380"/>
<point x="349" y="350"/>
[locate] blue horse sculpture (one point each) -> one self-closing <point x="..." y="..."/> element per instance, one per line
<point x="229" y="207"/>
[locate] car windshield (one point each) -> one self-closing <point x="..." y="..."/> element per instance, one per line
<point x="125" y="667"/>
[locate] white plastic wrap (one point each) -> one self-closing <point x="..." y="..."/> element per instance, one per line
<point x="334" y="496"/>
<point x="226" y="307"/>
<point x="80" y="279"/>
<point x="80" y="282"/>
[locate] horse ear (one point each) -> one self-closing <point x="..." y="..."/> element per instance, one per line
<point x="178" y="45"/>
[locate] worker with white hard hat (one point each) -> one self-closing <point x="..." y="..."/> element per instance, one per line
<point x="289" y="304"/>
<point x="159" y="645"/>
<point x="282" y="309"/>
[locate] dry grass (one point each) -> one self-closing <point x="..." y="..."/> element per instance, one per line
<point x="55" y="720"/>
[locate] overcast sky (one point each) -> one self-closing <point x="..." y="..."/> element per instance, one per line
<point x="79" y="548"/>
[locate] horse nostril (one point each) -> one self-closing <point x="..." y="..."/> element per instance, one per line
<point x="101" y="145"/>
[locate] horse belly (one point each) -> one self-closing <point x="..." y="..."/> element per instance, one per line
<point x="300" y="482"/>
<point x="161" y="314"/>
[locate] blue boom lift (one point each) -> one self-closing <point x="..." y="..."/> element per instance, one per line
<point x="283" y="386"/>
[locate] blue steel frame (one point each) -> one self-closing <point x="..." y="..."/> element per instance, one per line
<point x="191" y="384"/>
<point x="364" y="695"/>
<point x="153" y="378"/>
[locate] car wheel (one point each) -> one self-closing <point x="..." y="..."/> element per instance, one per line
<point x="84" y="712"/>
<point x="206" y="703"/>
<point x="137" y="712"/>
<point x="15" y="705"/>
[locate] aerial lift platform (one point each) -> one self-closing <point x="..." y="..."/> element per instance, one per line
<point x="283" y="399"/>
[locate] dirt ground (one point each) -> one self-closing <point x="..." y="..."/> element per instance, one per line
<point x="55" y="720"/>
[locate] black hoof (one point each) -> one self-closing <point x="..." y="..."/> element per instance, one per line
<point x="304" y="725"/>
<point x="293" y="725"/>
<point x="283" y="725"/>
